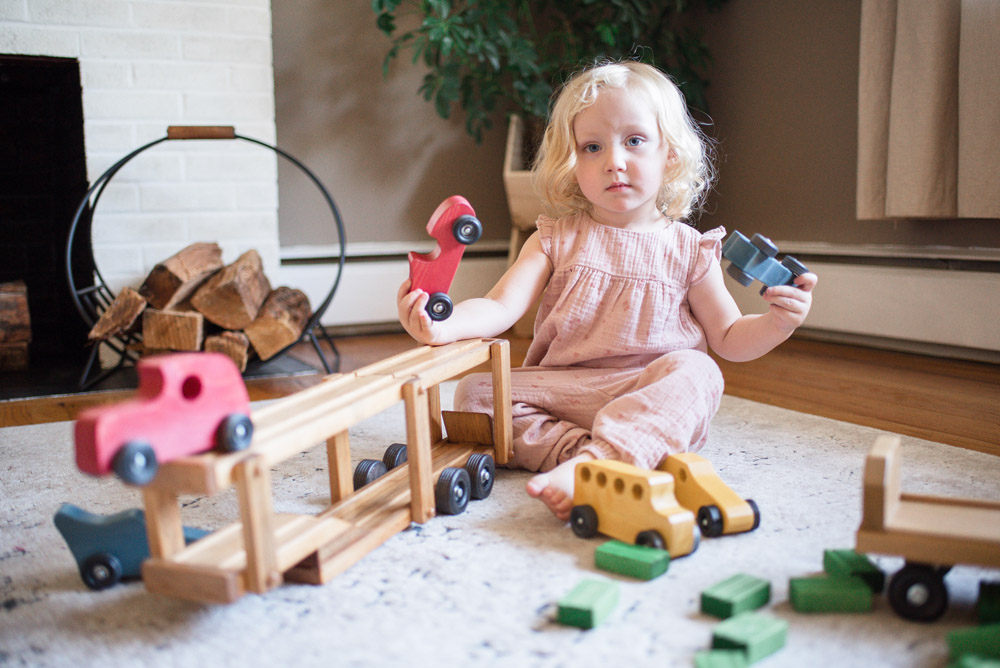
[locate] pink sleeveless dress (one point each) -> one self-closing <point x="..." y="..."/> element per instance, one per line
<point x="618" y="365"/>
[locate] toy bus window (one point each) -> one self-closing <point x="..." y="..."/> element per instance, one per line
<point x="585" y="474"/>
<point x="637" y="492"/>
<point x="619" y="486"/>
<point x="191" y="387"/>
<point x="602" y="479"/>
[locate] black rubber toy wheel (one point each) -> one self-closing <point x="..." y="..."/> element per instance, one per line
<point x="394" y="455"/>
<point x="135" y="463"/>
<point x="482" y="472"/>
<point x="467" y="229"/>
<point x="756" y="513"/>
<point x="651" y="538"/>
<point x="764" y="245"/>
<point x="451" y="494"/>
<point x="439" y="306"/>
<point x="583" y="519"/>
<point x="368" y="470"/>
<point x="234" y="433"/>
<point x="739" y="275"/>
<point x="793" y="265"/>
<point x="710" y="521"/>
<point x="101" y="571"/>
<point x="917" y="592"/>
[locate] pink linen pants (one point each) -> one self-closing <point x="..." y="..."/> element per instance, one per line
<point x="637" y="415"/>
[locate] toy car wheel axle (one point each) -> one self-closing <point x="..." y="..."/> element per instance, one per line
<point x="583" y="519"/>
<point x="482" y="473"/>
<point x="467" y="229"/>
<point x="394" y="455"/>
<point x="439" y="306"/>
<point x="917" y="592"/>
<point x="101" y="571"/>
<point x="135" y="463"/>
<point x="235" y="433"/>
<point x="710" y="521"/>
<point x="651" y="538"/>
<point x="367" y="471"/>
<point x="451" y="494"/>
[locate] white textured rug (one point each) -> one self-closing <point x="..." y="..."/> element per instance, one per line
<point x="478" y="588"/>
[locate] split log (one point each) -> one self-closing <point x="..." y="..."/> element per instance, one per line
<point x="234" y="344"/>
<point x="233" y="296"/>
<point x="282" y="318"/>
<point x="172" y="330"/>
<point x="13" y="356"/>
<point x="15" y="319"/>
<point x="120" y="317"/>
<point x="173" y="280"/>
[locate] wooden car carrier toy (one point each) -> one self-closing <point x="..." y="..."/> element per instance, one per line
<point x="264" y="548"/>
<point x="931" y="533"/>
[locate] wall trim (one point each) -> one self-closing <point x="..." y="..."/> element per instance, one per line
<point x="373" y="273"/>
<point x="934" y="309"/>
<point x="817" y="248"/>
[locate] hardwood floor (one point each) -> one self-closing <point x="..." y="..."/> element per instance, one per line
<point x="948" y="401"/>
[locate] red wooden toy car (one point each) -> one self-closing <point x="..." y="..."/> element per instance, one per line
<point x="454" y="225"/>
<point x="186" y="403"/>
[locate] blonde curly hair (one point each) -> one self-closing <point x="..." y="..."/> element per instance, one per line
<point x="687" y="179"/>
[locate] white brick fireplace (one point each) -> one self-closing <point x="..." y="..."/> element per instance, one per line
<point x="145" y="65"/>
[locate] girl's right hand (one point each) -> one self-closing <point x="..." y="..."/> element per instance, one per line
<point x="412" y="309"/>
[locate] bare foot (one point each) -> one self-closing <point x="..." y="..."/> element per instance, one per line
<point x="555" y="488"/>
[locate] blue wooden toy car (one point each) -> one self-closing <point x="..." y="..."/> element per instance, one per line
<point x="755" y="259"/>
<point x="108" y="548"/>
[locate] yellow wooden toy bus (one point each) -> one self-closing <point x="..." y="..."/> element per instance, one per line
<point x="632" y="505"/>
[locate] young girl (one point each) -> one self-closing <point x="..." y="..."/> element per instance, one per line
<point x="631" y="295"/>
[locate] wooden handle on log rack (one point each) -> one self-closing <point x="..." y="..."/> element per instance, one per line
<point x="201" y="132"/>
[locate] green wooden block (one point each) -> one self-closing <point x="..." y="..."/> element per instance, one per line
<point x="637" y="561"/>
<point x="831" y="593"/>
<point x="983" y="641"/>
<point x="756" y="634"/>
<point x="720" y="658"/>
<point x="974" y="661"/>
<point x="588" y="603"/>
<point x="849" y="562"/>
<point x="737" y="593"/>
<point x="988" y="605"/>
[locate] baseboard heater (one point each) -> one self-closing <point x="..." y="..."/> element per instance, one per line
<point x="937" y="301"/>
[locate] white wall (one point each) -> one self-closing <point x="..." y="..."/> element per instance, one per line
<point x="146" y="65"/>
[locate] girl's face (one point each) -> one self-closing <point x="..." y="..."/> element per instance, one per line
<point x="621" y="159"/>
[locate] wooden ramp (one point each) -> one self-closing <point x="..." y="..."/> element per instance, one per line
<point x="261" y="549"/>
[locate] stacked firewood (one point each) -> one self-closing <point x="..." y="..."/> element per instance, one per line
<point x="15" y="326"/>
<point x="192" y="301"/>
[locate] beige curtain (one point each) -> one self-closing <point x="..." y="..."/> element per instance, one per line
<point x="929" y="109"/>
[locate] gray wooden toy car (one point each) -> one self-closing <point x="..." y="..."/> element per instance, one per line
<point x="755" y="259"/>
<point x="108" y="548"/>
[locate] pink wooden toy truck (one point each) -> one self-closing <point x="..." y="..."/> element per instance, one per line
<point x="186" y="403"/>
<point x="454" y="225"/>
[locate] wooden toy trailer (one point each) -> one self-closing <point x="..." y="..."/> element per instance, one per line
<point x="931" y="533"/>
<point x="263" y="548"/>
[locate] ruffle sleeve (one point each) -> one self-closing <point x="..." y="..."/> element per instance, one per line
<point x="708" y="251"/>
<point x="545" y="227"/>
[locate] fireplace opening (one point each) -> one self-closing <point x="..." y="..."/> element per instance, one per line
<point x="43" y="177"/>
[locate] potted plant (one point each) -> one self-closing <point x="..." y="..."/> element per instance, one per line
<point x="493" y="57"/>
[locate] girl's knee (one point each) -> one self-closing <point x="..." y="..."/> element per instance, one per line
<point x="695" y="365"/>
<point x="474" y="393"/>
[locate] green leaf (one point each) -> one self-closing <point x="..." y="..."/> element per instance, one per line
<point x="386" y="23"/>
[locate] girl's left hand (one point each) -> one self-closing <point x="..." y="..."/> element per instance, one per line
<point x="790" y="305"/>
